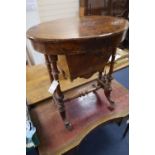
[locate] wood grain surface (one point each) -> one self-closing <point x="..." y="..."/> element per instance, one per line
<point x="77" y="28"/>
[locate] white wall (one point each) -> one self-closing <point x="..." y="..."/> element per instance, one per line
<point x="32" y="18"/>
<point x="47" y="10"/>
<point x="54" y="9"/>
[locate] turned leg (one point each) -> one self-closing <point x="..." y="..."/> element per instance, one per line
<point x="58" y="95"/>
<point x="48" y="65"/>
<point x="109" y="78"/>
<point x="112" y="62"/>
<point x="105" y="82"/>
<point x="107" y="90"/>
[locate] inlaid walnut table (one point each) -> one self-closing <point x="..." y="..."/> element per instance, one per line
<point x="87" y="44"/>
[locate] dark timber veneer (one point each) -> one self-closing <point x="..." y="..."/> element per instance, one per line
<point x="87" y="44"/>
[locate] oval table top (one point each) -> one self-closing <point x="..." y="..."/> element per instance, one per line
<point x="77" y="28"/>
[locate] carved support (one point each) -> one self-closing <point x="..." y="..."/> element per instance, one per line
<point x="108" y="78"/>
<point x="107" y="91"/>
<point x="58" y="95"/>
<point x="106" y="85"/>
<point x="105" y="81"/>
<point x="48" y="65"/>
<point x="112" y="61"/>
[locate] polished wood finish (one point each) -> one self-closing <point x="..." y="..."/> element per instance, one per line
<point x="38" y="79"/>
<point x="118" y="8"/>
<point x="76" y="28"/>
<point x="86" y="113"/>
<point x="48" y="64"/>
<point x="87" y="43"/>
<point x="58" y="96"/>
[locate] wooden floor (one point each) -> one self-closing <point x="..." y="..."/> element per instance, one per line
<point x="85" y="113"/>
